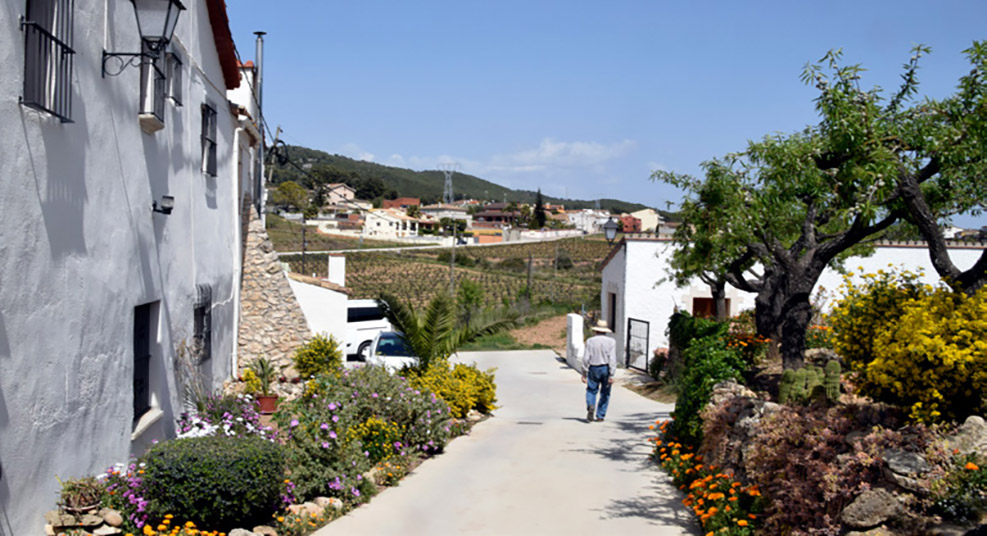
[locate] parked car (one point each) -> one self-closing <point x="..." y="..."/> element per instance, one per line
<point x="392" y="351"/>
<point x="364" y="320"/>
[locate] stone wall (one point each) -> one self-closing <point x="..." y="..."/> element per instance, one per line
<point x="272" y="324"/>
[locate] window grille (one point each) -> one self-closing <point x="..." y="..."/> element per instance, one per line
<point x="153" y="81"/>
<point x="202" y="322"/>
<point x="209" y="140"/>
<point x="48" y="57"/>
<point x="175" y="78"/>
<point x="142" y="360"/>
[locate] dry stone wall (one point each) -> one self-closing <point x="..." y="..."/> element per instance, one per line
<point x="272" y="324"/>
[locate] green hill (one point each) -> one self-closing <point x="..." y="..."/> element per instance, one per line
<point x="311" y="167"/>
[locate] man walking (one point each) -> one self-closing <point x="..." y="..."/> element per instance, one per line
<point x="599" y="366"/>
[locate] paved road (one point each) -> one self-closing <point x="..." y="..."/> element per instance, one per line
<point x="536" y="467"/>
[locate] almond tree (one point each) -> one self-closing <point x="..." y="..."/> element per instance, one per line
<point x="793" y="204"/>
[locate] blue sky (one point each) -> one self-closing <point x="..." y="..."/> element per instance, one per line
<point x="583" y="99"/>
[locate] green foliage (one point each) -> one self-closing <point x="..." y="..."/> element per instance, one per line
<point x="831" y="382"/>
<point x="462" y="259"/>
<point x="325" y="457"/>
<point x="80" y="492"/>
<point x="377" y="437"/>
<point x="657" y="363"/>
<point x="962" y="494"/>
<point x="512" y="264"/>
<point x="564" y="262"/>
<point x="321" y="355"/>
<point x="469" y="296"/>
<point x="290" y="194"/>
<point x="264" y="372"/>
<point x="462" y="387"/>
<point x="919" y="347"/>
<point x="810" y="384"/>
<point x="217" y="482"/>
<point x="785" y="386"/>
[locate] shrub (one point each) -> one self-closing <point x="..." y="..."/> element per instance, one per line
<point x="326" y="457"/>
<point x="962" y="494"/>
<point x="927" y="354"/>
<point x="513" y="264"/>
<point x="124" y="493"/>
<point x="463" y="387"/>
<point x="224" y="414"/>
<point x="321" y="355"/>
<point x="379" y="438"/>
<point x="657" y="363"/>
<point x="707" y="361"/>
<point x="216" y="482"/>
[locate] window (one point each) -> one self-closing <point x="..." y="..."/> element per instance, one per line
<point x="142" y="360"/>
<point x="202" y="323"/>
<point x="174" y="65"/>
<point x="209" y="140"/>
<point x="48" y="57"/>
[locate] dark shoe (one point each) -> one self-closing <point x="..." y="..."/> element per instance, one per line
<point x="599" y="419"/>
<point x="589" y="415"/>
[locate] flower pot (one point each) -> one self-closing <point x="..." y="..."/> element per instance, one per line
<point x="268" y="404"/>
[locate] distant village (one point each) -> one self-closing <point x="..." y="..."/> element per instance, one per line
<point x="474" y="222"/>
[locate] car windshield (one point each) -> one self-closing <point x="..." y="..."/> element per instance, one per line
<point x="393" y="344"/>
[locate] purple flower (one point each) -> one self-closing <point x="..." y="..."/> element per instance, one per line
<point x="332" y="434"/>
<point x="335" y="418"/>
<point x="324" y="426"/>
<point x="355" y="491"/>
<point x="325" y="444"/>
<point x="373" y="395"/>
<point x="332" y="406"/>
<point x="294" y="423"/>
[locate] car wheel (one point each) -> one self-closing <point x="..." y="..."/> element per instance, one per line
<point x="363" y="351"/>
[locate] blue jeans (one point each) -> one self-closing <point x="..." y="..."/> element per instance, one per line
<point x="598" y="379"/>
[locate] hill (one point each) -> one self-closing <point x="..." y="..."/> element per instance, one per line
<point x="310" y="167"/>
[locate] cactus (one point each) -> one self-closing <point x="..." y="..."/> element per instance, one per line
<point x="798" y="387"/>
<point x="832" y="381"/>
<point x="785" y="386"/>
<point x="814" y="385"/>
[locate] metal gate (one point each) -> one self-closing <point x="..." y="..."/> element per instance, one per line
<point x="637" y="344"/>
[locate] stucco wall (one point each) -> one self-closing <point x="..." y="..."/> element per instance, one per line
<point x="637" y="271"/>
<point x="324" y="309"/>
<point x="80" y="249"/>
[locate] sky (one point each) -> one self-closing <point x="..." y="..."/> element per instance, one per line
<point x="582" y="99"/>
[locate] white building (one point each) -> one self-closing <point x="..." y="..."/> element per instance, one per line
<point x="389" y="223"/>
<point x="636" y="289"/>
<point x="650" y="219"/>
<point x="443" y="210"/>
<point x="588" y="221"/>
<point x="323" y="301"/>
<point x="99" y="290"/>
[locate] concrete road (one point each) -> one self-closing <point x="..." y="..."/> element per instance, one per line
<point x="536" y="466"/>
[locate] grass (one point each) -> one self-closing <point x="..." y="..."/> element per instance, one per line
<point x="287" y="236"/>
<point x="498" y="341"/>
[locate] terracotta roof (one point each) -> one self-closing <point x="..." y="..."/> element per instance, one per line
<point x="248" y="65"/>
<point x="318" y="282"/>
<point x="224" y="42"/>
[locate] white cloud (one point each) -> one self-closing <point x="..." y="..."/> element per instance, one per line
<point x="551" y="153"/>
<point x="353" y="150"/>
<point x="396" y="160"/>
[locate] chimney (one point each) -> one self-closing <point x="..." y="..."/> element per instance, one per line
<point x="337" y="270"/>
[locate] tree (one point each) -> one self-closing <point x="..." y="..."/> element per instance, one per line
<point x="414" y="211"/>
<point x="290" y="194"/>
<point x="540" y="216"/>
<point x="797" y="203"/>
<point x="436" y="333"/>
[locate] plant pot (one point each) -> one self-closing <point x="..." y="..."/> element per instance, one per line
<point x="268" y="404"/>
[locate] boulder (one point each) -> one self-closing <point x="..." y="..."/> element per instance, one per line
<point x="904" y="482"/>
<point x="312" y="508"/>
<point x="970" y="437"/>
<point x="870" y="509"/>
<point x="335" y="504"/>
<point x="264" y="530"/>
<point x="906" y="463"/>
<point x="878" y="531"/>
<point x="728" y="389"/>
<point x="49" y="530"/>
<point x="112" y="518"/>
<point x="91" y="520"/>
<point x="241" y="532"/>
<point x="107" y="530"/>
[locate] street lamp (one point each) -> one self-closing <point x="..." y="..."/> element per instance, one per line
<point x="610" y="230"/>
<point x="156" y="20"/>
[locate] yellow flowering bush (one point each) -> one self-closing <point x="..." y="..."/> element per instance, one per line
<point x="462" y="387"/>
<point x="379" y="438"/>
<point x="916" y="346"/>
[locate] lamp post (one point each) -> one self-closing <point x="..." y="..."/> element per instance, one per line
<point x="610" y="230"/>
<point x="156" y="20"/>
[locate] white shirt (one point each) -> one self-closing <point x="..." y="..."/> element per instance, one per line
<point x="600" y="350"/>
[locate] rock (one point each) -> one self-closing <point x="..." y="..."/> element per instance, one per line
<point x="910" y="484"/>
<point x="264" y="530"/>
<point x="91" y="520"/>
<point x="241" y="532"/>
<point x="906" y="463"/>
<point x="854" y="436"/>
<point x="113" y="518"/>
<point x="870" y="508"/>
<point x="728" y="389"/>
<point x="294" y="509"/>
<point x="106" y="531"/>
<point x="53" y="517"/>
<point x="312" y="509"/>
<point x="820" y="356"/>
<point x="879" y="531"/>
<point x="49" y="530"/>
<point x="336" y="504"/>
<point x="970" y="437"/>
<point x="290" y="373"/>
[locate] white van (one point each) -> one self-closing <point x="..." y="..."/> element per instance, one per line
<point x="364" y="320"/>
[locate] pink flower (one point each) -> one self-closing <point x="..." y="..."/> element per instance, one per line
<point x="324" y="426"/>
<point x="294" y="423"/>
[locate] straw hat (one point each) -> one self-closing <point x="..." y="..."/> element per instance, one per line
<point x="601" y="326"/>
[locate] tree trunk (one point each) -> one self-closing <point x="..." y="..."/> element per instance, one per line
<point x="719" y="300"/>
<point x="783" y="311"/>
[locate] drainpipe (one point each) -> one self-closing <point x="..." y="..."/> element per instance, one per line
<point x="259" y="191"/>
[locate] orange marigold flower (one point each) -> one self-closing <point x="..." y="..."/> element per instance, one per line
<point x="742" y="522"/>
<point x="752" y="516"/>
<point x="734" y="498"/>
<point x="970" y="466"/>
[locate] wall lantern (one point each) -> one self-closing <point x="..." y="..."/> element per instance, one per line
<point x="167" y="203"/>
<point x="156" y="20"/>
<point x="610" y="230"/>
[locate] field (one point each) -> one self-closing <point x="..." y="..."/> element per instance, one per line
<point x="501" y="271"/>
<point x="287" y="236"/>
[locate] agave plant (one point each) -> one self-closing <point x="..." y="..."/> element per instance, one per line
<point x="436" y="333"/>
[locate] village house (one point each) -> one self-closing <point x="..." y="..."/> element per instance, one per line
<point x="124" y="183"/>
<point x="441" y="210"/>
<point x="339" y="193"/>
<point x="589" y="221"/>
<point x="389" y="223"/>
<point x="496" y="214"/>
<point x="637" y="298"/>
<point x="629" y="224"/>
<point x="402" y="203"/>
<point x="650" y="219"/>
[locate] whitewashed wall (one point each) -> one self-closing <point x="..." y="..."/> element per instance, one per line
<point x="80" y="248"/>
<point x="638" y="270"/>
<point x="324" y="309"/>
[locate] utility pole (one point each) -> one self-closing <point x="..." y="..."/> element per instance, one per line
<point x="452" y="262"/>
<point x="303" y="244"/>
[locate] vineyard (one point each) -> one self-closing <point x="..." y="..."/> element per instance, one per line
<point x="287" y="236"/>
<point x="562" y="272"/>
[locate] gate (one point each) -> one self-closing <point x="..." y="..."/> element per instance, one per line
<point x="637" y="344"/>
